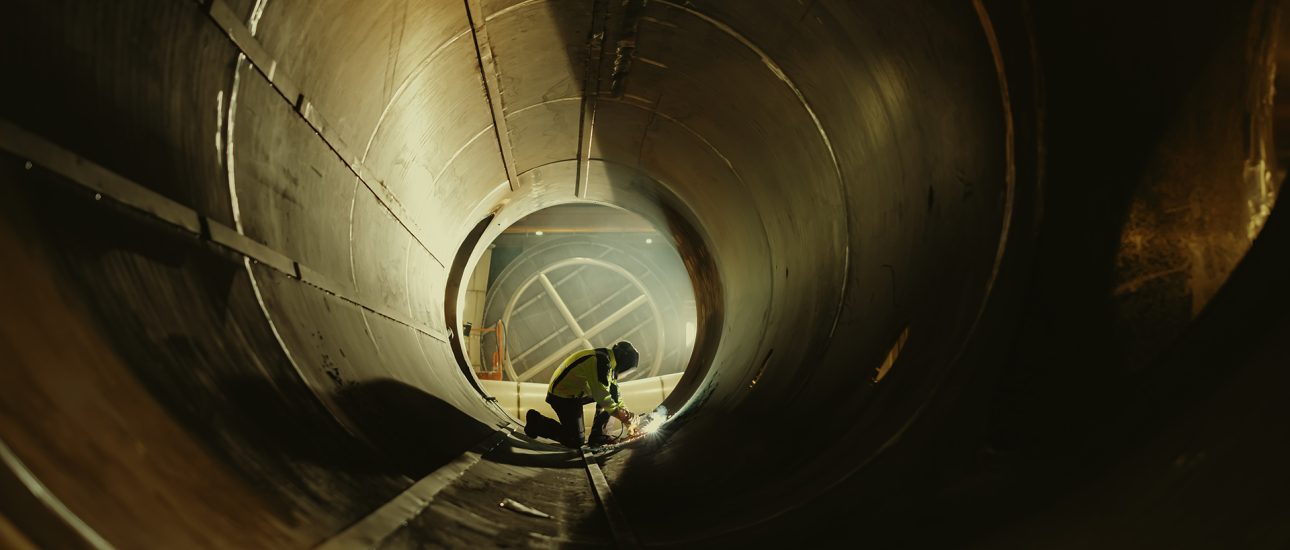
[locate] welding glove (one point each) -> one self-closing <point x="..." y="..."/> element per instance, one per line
<point x="625" y="416"/>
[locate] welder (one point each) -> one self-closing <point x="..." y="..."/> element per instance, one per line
<point x="587" y="376"/>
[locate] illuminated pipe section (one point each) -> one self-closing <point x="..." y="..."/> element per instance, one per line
<point x="852" y="185"/>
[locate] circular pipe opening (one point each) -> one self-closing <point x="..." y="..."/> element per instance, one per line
<point x="684" y="335"/>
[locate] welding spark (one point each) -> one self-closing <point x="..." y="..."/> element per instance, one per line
<point x="652" y="425"/>
<point x="652" y="422"/>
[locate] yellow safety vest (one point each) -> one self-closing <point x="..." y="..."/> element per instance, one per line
<point x="576" y="379"/>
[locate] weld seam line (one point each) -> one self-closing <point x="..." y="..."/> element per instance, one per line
<point x="492" y="88"/>
<point x="240" y="36"/>
<point x="101" y="181"/>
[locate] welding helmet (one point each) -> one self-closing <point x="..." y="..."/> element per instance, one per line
<point x="625" y="355"/>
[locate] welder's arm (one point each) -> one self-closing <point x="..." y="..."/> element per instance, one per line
<point x="606" y="402"/>
<point x="604" y="399"/>
<point x="622" y="414"/>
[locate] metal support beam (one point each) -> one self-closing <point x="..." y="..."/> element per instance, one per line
<point x="559" y="282"/>
<point x="564" y="310"/>
<point x="561" y="330"/>
<point x="618" y="526"/>
<point x="625" y="53"/>
<point x="107" y="184"/>
<point x="632" y="330"/>
<point x="492" y="89"/>
<point x="590" y="92"/>
<point x="244" y="40"/>
<point x="571" y="346"/>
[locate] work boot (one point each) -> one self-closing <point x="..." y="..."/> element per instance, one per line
<point x="600" y="440"/>
<point x="532" y="420"/>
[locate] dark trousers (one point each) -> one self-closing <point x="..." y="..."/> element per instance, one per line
<point x="568" y="430"/>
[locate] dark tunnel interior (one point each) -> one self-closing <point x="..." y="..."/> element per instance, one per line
<point x="988" y="273"/>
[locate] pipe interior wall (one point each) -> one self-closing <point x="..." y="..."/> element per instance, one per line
<point x="852" y="184"/>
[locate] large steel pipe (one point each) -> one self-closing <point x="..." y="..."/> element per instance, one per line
<point x="235" y="233"/>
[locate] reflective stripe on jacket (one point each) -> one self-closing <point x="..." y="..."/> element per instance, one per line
<point x="587" y="373"/>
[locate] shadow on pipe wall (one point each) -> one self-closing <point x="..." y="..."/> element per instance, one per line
<point x="145" y="386"/>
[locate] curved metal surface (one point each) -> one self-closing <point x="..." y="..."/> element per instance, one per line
<point x="854" y="185"/>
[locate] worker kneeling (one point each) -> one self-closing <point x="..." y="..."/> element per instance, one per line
<point x="585" y="377"/>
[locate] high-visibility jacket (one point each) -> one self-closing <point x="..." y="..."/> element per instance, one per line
<point x="588" y="374"/>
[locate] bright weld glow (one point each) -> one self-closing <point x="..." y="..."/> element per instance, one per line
<point x="538" y="233"/>
<point x="649" y="241"/>
<point x="653" y="421"/>
<point x="651" y="427"/>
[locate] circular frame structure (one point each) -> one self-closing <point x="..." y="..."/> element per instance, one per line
<point x="583" y="336"/>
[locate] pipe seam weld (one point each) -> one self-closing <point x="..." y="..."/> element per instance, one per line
<point x="268" y="67"/>
<point x="105" y="183"/>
